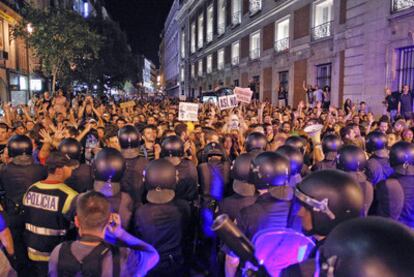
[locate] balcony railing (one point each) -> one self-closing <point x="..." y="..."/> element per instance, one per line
<point x="322" y="31"/>
<point x="255" y="54"/>
<point x="221" y="28"/>
<point x="236" y="18"/>
<point x="399" y="5"/>
<point x="209" y="36"/>
<point x="235" y="60"/>
<point x="282" y="44"/>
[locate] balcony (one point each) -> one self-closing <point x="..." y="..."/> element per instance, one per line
<point x="235" y="61"/>
<point x="209" y="36"/>
<point x="254" y="54"/>
<point x="221" y="28"/>
<point x="255" y="7"/>
<point x="322" y="31"/>
<point x="236" y="18"/>
<point x="282" y="44"/>
<point x="400" y="5"/>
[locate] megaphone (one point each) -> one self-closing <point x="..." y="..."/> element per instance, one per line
<point x="314" y="132"/>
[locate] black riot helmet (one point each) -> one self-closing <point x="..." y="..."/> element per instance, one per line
<point x="295" y="157"/>
<point x="172" y="146"/>
<point x="19" y="145"/>
<point x="255" y="141"/>
<point x="108" y="165"/>
<point x="332" y="197"/>
<point x="402" y="158"/>
<point x="297" y="142"/>
<point x="376" y="141"/>
<point x="331" y="143"/>
<point x="351" y="158"/>
<point x="372" y="246"/>
<point x="213" y="149"/>
<point x="129" y="137"/>
<point x="240" y="172"/>
<point x="160" y="180"/>
<point x="71" y="147"/>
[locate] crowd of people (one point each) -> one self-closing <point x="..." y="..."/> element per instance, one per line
<point x="100" y="186"/>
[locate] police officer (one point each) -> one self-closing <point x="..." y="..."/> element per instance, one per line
<point x="296" y="163"/>
<point x="15" y="178"/>
<point x="163" y="220"/>
<point x="129" y="139"/>
<point x="371" y="246"/>
<point x="108" y="169"/>
<point x="244" y="192"/>
<point x="378" y="166"/>
<point x="172" y="149"/>
<point x="327" y="198"/>
<point x="48" y="211"/>
<point x="301" y="143"/>
<point x="270" y="175"/>
<point x="81" y="179"/>
<point x="91" y="255"/>
<point x="330" y="146"/>
<point x="395" y="195"/>
<point x="352" y="160"/>
<point x="255" y="141"/>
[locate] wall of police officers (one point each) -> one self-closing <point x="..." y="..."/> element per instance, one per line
<point x="183" y="203"/>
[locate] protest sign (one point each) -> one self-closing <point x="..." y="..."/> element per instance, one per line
<point x="243" y="95"/>
<point x="188" y="111"/>
<point x="127" y="105"/>
<point x="227" y="102"/>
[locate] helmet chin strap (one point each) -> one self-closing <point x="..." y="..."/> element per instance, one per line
<point x="109" y="189"/>
<point x="317" y="206"/>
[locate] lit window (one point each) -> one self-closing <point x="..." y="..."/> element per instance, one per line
<point x="235" y="48"/>
<point x="236" y="12"/>
<point x="209" y="63"/>
<point x="255" y="45"/>
<point x="323" y="16"/>
<point x="193" y="37"/>
<point x="182" y="44"/>
<point x="399" y="5"/>
<point x="182" y="74"/>
<point x="220" y="59"/>
<point x="200" y="31"/>
<point x="221" y="17"/>
<point x="255" y="6"/>
<point x="282" y="35"/>
<point x="200" y="68"/>
<point x="192" y="70"/>
<point x="210" y="23"/>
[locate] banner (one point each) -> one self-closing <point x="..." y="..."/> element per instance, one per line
<point x="243" y="95"/>
<point x="127" y="105"/>
<point x="227" y="102"/>
<point x="187" y="111"/>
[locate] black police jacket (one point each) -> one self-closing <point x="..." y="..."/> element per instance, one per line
<point x="132" y="181"/>
<point x="187" y="181"/>
<point x="233" y="204"/>
<point x="81" y="179"/>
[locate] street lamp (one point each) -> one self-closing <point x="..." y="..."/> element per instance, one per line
<point x="29" y="29"/>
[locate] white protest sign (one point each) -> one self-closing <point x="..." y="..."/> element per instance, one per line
<point x="188" y="111"/>
<point x="227" y="102"/>
<point x="243" y="95"/>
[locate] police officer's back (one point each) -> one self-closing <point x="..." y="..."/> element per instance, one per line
<point x="296" y="163"/>
<point x="162" y="221"/>
<point x="129" y="139"/>
<point x="378" y="167"/>
<point x="81" y="179"/>
<point x="330" y="146"/>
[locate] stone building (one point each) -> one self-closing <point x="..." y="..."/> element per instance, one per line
<point x="356" y="47"/>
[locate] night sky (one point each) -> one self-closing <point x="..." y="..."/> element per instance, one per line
<point x="143" y="21"/>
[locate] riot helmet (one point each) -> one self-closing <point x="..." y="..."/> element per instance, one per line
<point x="19" y="145"/>
<point x="297" y="142"/>
<point x="108" y="169"/>
<point x="402" y="158"/>
<point x="295" y="157"/>
<point x="351" y="158"/>
<point x="71" y="147"/>
<point x="331" y="144"/>
<point x="160" y="179"/>
<point x="376" y="141"/>
<point x="240" y="170"/>
<point x="172" y="146"/>
<point x="255" y="141"/>
<point x="213" y="149"/>
<point x="129" y="137"/>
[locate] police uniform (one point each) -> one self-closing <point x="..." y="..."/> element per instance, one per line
<point x="81" y="179"/>
<point x="378" y="167"/>
<point x="330" y="146"/>
<point x="328" y="162"/>
<point x="187" y="186"/>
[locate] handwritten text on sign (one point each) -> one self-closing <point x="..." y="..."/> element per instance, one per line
<point x="187" y="111"/>
<point x="243" y="95"/>
<point x="227" y="102"/>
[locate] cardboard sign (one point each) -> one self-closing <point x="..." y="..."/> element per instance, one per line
<point x="127" y="105"/>
<point x="187" y="111"/>
<point x="243" y="95"/>
<point x="227" y="102"/>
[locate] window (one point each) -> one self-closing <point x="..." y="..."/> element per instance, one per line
<point x="182" y="46"/>
<point x="399" y="5"/>
<point x="284" y="81"/>
<point x="322" y="20"/>
<point x="192" y="71"/>
<point x="182" y="74"/>
<point x="236" y="12"/>
<point x="255" y="6"/>
<point x="221" y="17"/>
<point x="200" y="68"/>
<point x="210" y="23"/>
<point x="323" y="75"/>
<point x="200" y="31"/>
<point x="236" y="83"/>
<point x="255" y="45"/>
<point x="235" y="53"/>
<point x="282" y="35"/>
<point x="406" y="68"/>
<point x="209" y="63"/>
<point x="193" y="37"/>
<point x="220" y="59"/>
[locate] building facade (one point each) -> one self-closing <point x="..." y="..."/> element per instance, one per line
<point x="356" y="47"/>
<point x="171" y="52"/>
<point x="147" y="75"/>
